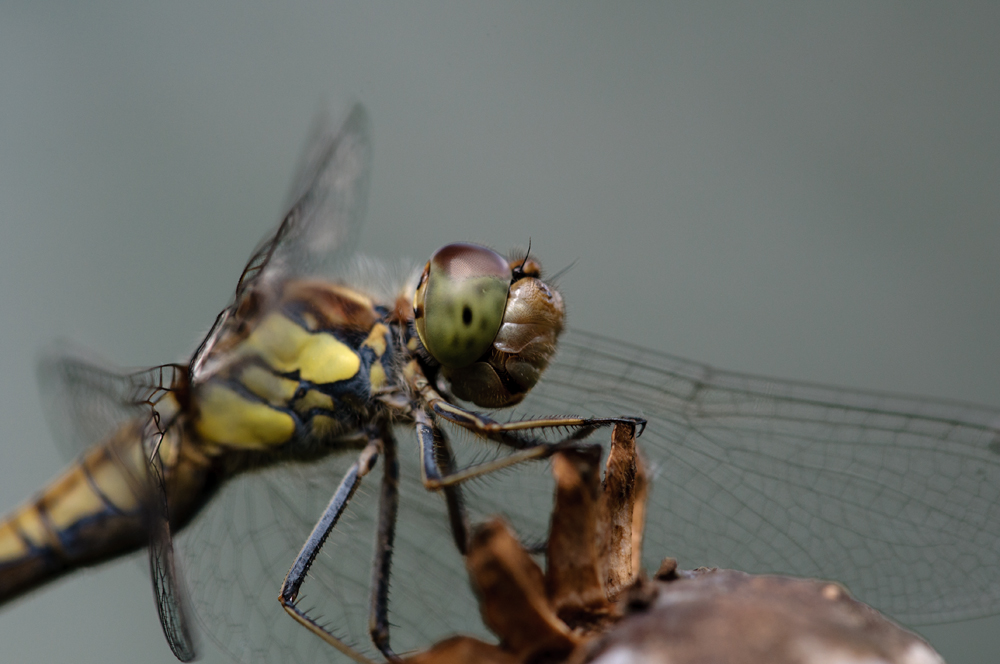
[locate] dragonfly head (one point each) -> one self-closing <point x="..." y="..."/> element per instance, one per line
<point x="491" y="322"/>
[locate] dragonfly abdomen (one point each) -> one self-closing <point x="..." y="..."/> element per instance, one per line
<point x="98" y="508"/>
<point x="90" y="513"/>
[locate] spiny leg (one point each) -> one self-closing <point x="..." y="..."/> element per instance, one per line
<point x="378" y="616"/>
<point x="532" y="449"/>
<point x="442" y="461"/>
<point x="504" y="432"/>
<point x="437" y="461"/>
<point x="290" y="587"/>
<point x="458" y="517"/>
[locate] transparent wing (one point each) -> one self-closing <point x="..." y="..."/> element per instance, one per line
<point x="327" y="202"/>
<point x="239" y="549"/>
<point x="88" y="403"/>
<point x="896" y="497"/>
<point x="330" y="194"/>
<point x="87" y="400"/>
<point x="168" y="587"/>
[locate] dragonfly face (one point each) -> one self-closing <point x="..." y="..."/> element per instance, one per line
<point x="306" y="380"/>
<point x="492" y="324"/>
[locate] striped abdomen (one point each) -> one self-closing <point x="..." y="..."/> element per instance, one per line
<point x="91" y="513"/>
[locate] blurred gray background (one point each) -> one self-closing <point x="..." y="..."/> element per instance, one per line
<point x="807" y="192"/>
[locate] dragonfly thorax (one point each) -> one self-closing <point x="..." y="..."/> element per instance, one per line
<point x="304" y="368"/>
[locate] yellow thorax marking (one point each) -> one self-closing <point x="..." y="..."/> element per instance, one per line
<point x="376" y="377"/>
<point x="376" y="339"/>
<point x="275" y="390"/>
<point x="325" y="426"/>
<point x="319" y="357"/>
<point x="314" y="399"/>
<point x="228" y="418"/>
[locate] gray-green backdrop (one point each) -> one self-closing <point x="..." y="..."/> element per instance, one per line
<point x="804" y="191"/>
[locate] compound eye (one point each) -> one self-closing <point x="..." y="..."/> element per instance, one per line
<point x="459" y="304"/>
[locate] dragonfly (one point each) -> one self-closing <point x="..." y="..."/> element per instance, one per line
<point x="342" y="423"/>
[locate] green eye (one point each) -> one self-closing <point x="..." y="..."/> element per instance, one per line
<point x="460" y="302"/>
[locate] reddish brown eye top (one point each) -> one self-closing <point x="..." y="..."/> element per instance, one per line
<point x="463" y="260"/>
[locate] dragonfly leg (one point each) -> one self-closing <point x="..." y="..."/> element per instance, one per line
<point x="458" y="518"/>
<point x="438" y="462"/>
<point x="507" y="433"/>
<point x="290" y="587"/>
<point x="434" y="479"/>
<point x="378" y="616"/>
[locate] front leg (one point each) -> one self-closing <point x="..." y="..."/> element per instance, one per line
<point x="511" y="434"/>
<point x="434" y="479"/>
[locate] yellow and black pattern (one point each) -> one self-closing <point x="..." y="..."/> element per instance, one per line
<point x="306" y="371"/>
<point x="299" y="376"/>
